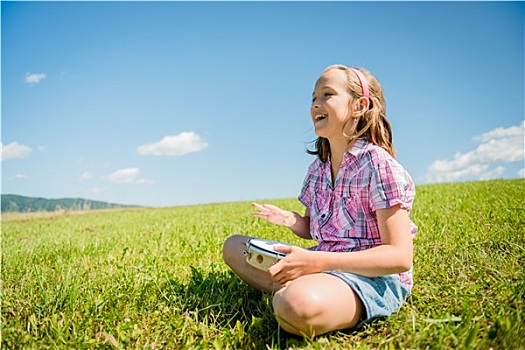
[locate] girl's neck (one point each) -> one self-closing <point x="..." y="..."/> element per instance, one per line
<point x="337" y="151"/>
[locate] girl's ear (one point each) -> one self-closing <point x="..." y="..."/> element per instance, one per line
<point x="361" y="106"/>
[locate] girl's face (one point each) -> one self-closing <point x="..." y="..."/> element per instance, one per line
<point x="331" y="105"/>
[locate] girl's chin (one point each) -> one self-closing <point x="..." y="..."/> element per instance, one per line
<point x="320" y="132"/>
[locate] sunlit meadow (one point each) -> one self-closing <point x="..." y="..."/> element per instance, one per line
<point x="154" y="278"/>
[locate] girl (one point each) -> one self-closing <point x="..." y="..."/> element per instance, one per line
<point x="358" y="200"/>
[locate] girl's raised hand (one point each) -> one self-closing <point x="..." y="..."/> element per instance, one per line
<point x="274" y="214"/>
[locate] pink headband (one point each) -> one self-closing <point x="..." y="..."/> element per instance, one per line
<point x="362" y="80"/>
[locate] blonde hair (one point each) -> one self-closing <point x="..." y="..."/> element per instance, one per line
<point x="373" y="126"/>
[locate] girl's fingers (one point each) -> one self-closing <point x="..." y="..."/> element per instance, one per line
<point x="274" y="271"/>
<point x="263" y="208"/>
<point x="270" y="212"/>
<point x="281" y="248"/>
<point x="271" y="207"/>
<point x="257" y="206"/>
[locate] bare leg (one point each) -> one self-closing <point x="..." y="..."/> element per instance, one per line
<point x="315" y="304"/>
<point x="233" y="256"/>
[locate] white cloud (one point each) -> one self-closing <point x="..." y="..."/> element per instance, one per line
<point x="521" y="173"/>
<point x="15" y="150"/>
<point x="124" y="176"/>
<point x="501" y="133"/>
<point x="34" y="78"/>
<point x="175" y="145"/>
<point x="127" y="176"/>
<point x="87" y="175"/>
<point x="19" y="177"/>
<point x="497" y="146"/>
<point x="492" y="174"/>
<point x="144" y="182"/>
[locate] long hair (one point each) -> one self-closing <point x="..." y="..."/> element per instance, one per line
<point x="373" y="126"/>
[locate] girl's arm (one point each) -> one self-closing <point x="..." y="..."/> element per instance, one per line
<point x="300" y="225"/>
<point x="393" y="256"/>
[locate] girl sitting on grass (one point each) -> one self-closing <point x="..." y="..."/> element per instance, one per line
<point x="358" y="200"/>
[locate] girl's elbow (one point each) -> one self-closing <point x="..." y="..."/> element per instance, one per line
<point x="404" y="267"/>
<point x="405" y="256"/>
<point x="405" y="262"/>
<point x="402" y="259"/>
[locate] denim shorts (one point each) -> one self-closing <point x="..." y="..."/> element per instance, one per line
<point x="381" y="296"/>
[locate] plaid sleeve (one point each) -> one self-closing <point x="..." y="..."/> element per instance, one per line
<point x="390" y="185"/>
<point x="306" y="194"/>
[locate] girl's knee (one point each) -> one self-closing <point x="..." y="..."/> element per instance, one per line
<point x="296" y="311"/>
<point x="302" y="304"/>
<point x="316" y="304"/>
<point x="233" y="240"/>
<point x="232" y="247"/>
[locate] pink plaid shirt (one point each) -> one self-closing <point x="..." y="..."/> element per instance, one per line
<point x="342" y="215"/>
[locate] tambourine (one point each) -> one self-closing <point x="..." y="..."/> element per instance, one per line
<point x="260" y="253"/>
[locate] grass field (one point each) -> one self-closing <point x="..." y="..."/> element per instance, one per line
<point x="154" y="278"/>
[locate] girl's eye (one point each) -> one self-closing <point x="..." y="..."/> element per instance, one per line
<point x="325" y="95"/>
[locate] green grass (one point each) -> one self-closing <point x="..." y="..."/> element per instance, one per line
<point x="154" y="278"/>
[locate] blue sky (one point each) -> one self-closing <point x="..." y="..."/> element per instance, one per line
<point x="175" y="103"/>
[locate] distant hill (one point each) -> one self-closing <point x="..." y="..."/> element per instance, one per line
<point x="15" y="203"/>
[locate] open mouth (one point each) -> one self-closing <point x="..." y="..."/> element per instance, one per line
<point x="320" y="117"/>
